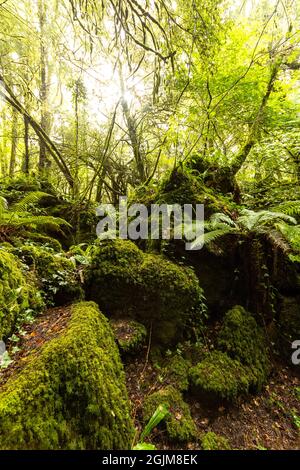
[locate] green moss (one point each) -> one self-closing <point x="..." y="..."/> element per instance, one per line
<point x="212" y="441"/>
<point x="124" y="281"/>
<point x="71" y="395"/>
<point x="18" y="293"/>
<point x="219" y="376"/>
<point x="242" y="339"/>
<point x="44" y="240"/>
<point x="56" y="274"/>
<point x="179" y="424"/>
<point x="176" y="372"/>
<point x="182" y="186"/>
<point x="130" y="335"/>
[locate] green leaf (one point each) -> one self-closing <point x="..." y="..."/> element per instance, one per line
<point x="160" y="413"/>
<point x="144" y="446"/>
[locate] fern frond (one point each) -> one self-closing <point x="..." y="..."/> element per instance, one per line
<point x="291" y="235"/>
<point x="290" y="208"/>
<point x="42" y="221"/>
<point x="3" y="205"/>
<point x="29" y="199"/>
<point x="251" y="220"/>
<point x="214" y="235"/>
<point x="220" y="218"/>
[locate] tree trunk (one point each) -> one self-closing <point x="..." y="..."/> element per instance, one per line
<point x="11" y="98"/>
<point x="44" y="162"/>
<point x="26" y="145"/>
<point x="14" y="142"/>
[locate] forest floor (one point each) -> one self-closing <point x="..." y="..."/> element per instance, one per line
<point x="264" y="421"/>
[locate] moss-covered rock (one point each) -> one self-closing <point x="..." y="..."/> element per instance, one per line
<point x="220" y="377"/>
<point x="163" y="296"/>
<point x="18" y="293"/>
<point x="183" y="186"/>
<point x="130" y="335"/>
<point x="242" y="339"/>
<point x="212" y="441"/>
<point x="72" y="394"/>
<point x="56" y="274"/>
<point x="176" y="372"/>
<point x="179" y="424"/>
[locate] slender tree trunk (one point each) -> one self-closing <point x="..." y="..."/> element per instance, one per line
<point x="26" y="145"/>
<point x="44" y="162"/>
<point x="14" y="143"/>
<point x="76" y="179"/>
<point x="133" y="134"/>
<point x="11" y="98"/>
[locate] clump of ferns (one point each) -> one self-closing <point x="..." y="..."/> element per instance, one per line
<point x="17" y="219"/>
<point x="248" y="223"/>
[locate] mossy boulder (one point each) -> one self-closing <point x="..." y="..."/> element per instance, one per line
<point x="71" y="394"/>
<point x="176" y="372"/>
<point x="18" y="293"/>
<point x="183" y="186"/>
<point x="244" y="340"/>
<point x="212" y="441"/>
<point x="242" y="363"/>
<point x="161" y="295"/>
<point x="130" y="335"/>
<point x="220" y="377"/>
<point x="178" y="424"/>
<point x="56" y="274"/>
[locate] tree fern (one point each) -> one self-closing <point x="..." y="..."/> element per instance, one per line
<point x="248" y="222"/>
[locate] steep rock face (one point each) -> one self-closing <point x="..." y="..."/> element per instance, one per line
<point x="71" y="393"/>
<point x="17" y="293"/>
<point x="163" y="296"/>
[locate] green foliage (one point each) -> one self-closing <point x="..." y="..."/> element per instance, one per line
<point x="18" y="220"/>
<point x="291" y="208"/>
<point x="212" y="441"/>
<point x="167" y="297"/>
<point x="242" y="339"/>
<point x="144" y="446"/>
<point x="72" y="394"/>
<point x="247" y="223"/>
<point x="292" y="235"/>
<point x="18" y="293"/>
<point x="178" y="423"/>
<point x="56" y="273"/>
<point x="296" y="421"/>
<point x="159" y="415"/>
